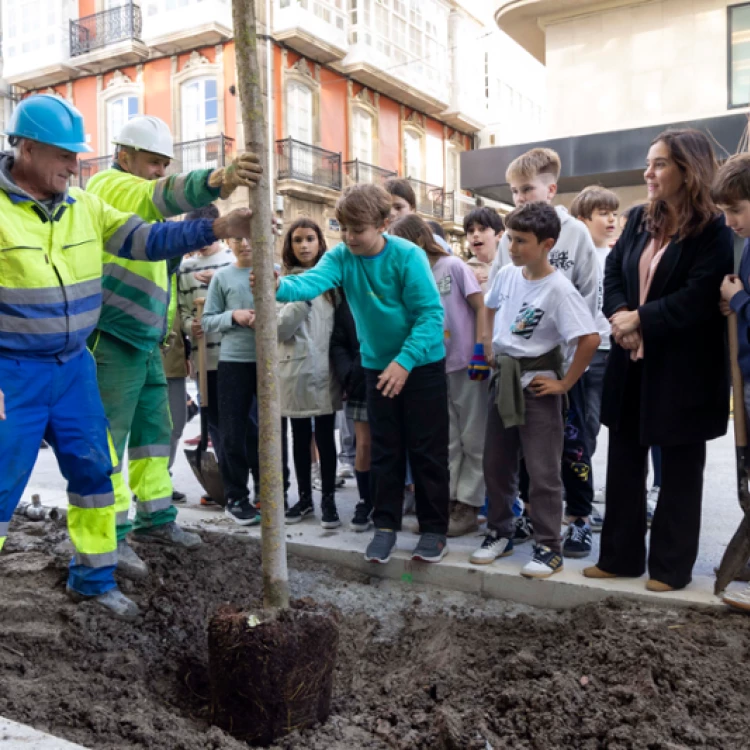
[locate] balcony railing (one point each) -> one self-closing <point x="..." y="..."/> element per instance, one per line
<point x="296" y="160"/>
<point x="87" y="168"/>
<point x="429" y="198"/>
<point x="357" y="172"/>
<point x="205" y="153"/>
<point x="107" y="27"/>
<point x="456" y="206"/>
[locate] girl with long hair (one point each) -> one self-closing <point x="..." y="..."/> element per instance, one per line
<point x="666" y="382"/>
<point x="308" y="386"/>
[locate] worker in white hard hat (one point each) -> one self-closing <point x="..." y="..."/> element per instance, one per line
<point x="134" y="322"/>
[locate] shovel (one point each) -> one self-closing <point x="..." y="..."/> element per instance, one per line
<point x="203" y="462"/>
<point x="737" y="552"/>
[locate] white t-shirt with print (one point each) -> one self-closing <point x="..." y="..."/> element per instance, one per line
<point x="533" y="317"/>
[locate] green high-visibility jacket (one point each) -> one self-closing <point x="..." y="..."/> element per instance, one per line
<point x="136" y="295"/>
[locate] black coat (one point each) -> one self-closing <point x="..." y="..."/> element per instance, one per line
<point x="347" y="363"/>
<point x="685" y="370"/>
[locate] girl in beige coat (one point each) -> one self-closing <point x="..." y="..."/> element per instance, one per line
<point x="307" y="384"/>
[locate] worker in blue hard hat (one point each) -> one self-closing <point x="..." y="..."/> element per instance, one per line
<point x="51" y="243"/>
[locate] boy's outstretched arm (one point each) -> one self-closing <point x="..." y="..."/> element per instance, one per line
<point x="585" y="350"/>
<point x="311" y="283"/>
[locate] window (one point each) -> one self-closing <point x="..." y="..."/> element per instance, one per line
<point x="119" y="111"/>
<point x="362" y="136"/>
<point x="452" y="177"/>
<point x="200" y="109"/>
<point x="299" y="112"/>
<point x="739" y="55"/>
<point x="412" y="155"/>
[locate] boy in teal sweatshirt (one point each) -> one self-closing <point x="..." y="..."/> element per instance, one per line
<point x="396" y="306"/>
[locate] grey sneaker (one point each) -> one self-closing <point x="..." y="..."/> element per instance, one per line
<point x="463" y="519"/>
<point x="128" y="563"/>
<point x="430" y="548"/>
<point x="596" y="520"/>
<point x="169" y="533"/>
<point x="118" y="605"/>
<point x="380" y="547"/>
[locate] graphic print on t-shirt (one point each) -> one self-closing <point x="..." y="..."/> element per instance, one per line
<point x="560" y="259"/>
<point x="444" y="285"/>
<point x="526" y="321"/>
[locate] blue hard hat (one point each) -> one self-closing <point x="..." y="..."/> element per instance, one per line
<point x="49" y="119"/>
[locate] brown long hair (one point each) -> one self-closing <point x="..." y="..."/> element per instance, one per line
<point x="694" y="156"/>
<point x="289" y="259"/>
<point x="411" y="227"/>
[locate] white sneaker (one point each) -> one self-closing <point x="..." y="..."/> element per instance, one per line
<point x="346" y="471"/>
<point x="543" y="564"/>
<point x="492" y="547"/>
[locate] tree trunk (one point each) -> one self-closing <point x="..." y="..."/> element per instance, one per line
<point x="275" y="576"/>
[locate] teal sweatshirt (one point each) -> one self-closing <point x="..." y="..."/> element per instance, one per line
<point x="392" y="296"/>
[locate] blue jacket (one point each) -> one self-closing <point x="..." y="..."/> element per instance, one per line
<point x="740" y="303"/>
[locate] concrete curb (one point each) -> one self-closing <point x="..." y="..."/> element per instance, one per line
<point x="15" y="736"/>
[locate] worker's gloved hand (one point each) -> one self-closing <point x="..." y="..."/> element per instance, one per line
<point x="245" y="171"/>
<point x="479" y="369"/>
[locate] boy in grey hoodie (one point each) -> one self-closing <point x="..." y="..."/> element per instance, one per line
<point x="533" y="177"/>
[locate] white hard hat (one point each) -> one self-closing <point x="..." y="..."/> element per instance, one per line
<point x="147" y="133"/>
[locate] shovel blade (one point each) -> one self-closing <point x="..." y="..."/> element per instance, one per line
<point x="206" y="470"/>
<point x="735" y="556"/>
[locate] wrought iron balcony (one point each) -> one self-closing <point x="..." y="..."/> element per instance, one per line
<point x="107" y="27"/>
<point x="429" y="198"/>
<point x="358" y="171"/>
<point x="456" y="205"/>
<point x="204" y="153"/>
<point x="296" y="160"/>
<point x="87" y="168"/>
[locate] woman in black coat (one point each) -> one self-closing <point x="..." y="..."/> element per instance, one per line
<point x="667" y="376"/>
<point x="347" y="364"/>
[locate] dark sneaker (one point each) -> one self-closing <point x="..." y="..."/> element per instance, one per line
<point x="578" y="539"/>
<point x="128" y="563"/>
<point x="430" y="548"/>
<point x="303" y="507"/>
<point x="178" y="497"/>
<point x="114" y="601"/>
<point x="171" y="534"/>
<point x="362" y="519"/>
<point x="380" y="547"/>
<point x="492" y="547"/>
<point x="543" y="563"/>
<point x="329" y="516"/>
<point x="524" y="530"/>
<point x="242" y="512"/>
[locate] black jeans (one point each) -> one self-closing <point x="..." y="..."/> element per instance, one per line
<point x="416" y="420"/>
<point x="238" y="458"/>
<point x="675" y="529"/>
<point x="576" y="461"/>
<point x="302" y="432"/>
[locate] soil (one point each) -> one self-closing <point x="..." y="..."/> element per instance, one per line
<point x="418" y="669"/>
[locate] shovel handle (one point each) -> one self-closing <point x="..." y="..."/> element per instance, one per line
<point x="738" y="386"/>
<point x="202" y="374"/>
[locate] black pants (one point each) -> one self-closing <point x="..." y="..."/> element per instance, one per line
<point x="675" y="529"/>
<point x="302" y="432"/>
<point x="578" y="482"/>
<point x="416" y="420"/>
<point x="238" y="458"/>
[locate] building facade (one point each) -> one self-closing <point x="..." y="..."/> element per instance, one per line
<point x="357" y="90"/>
<point x="619" y="72"/>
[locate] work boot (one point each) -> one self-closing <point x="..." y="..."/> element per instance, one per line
<point x="114" y="601"/>
<point x="463" y="519"/>
<point x="128" y="563"/>
<point x="171" y="534"/>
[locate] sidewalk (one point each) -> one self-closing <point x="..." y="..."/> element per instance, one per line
<point x="15" y="736"/>
<point x="500" y="580"/>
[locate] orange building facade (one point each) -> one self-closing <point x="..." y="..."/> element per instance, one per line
<point x="331" y="127"/>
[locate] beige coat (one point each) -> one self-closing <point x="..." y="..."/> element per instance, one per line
<point x="307" y="384"/>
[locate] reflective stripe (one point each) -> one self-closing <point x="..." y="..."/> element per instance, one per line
<point x="46" y="296"/>
<point x="178" y="194"/>
<point x="4" y="528"/>
<point x="139" y="241"/>
<point x="13" y="324"/>
<point x="110" y="299"/>
<point x="116" y="271"/>
<point x="153" y="506"/>
<point x="148" y="451"/>
<point x="117" y="468"/>
<point x="84" y="289"/>
<point x="96" y="560"/>
<point x="158" y="198"/>
<point x="116" y="243"/>
<point x="91" y="501"/>
<point x="121" y="518"/>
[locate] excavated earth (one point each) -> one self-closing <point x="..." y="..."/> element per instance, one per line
<point x="418" y="669"/>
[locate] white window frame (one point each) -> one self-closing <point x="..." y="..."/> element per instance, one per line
<point x="119" y="87"/>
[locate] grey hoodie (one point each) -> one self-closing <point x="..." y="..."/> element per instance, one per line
<point x="574" y="254"/>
